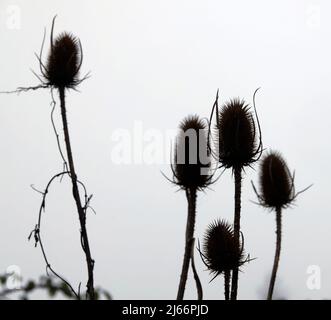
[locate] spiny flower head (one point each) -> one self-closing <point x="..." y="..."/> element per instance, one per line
<point x="236" y="135"/>
<point x="64" y="62"/>
<point x="276" y="182"/>
<point x="191" y="168"/>
<point x="221" y="251"/>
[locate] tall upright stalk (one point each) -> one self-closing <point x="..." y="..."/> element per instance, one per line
<point x="237" y="148"/>
<point x="191" y="175"/>
<point x="191" y="195"/>
<point x="236" y="227"/>
<point x="276" y="192"/>
<point x="75" y="192"/>
<point x="277" y="252"/>
<point x="227" y="285"/>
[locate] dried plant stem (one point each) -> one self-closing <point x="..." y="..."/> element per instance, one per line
<point x="227" y="285"/>
<point x="236" y="227"/>
<point x="277" y="253"/>
<point x="191" y="195"/>
<point x="195" y="273"/>
<point x="75" y="192"/>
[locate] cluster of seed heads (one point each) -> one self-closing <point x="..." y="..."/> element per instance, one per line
<point x="238" y="144"/>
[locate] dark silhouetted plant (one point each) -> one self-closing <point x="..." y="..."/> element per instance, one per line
<point x="237" y="146"/>
<point x="221" y="252"/>
<point x="191" y="172"/>
<point x="63" y="65"/>
<point x="60" y="73"/>
<point x="276" y="193"/>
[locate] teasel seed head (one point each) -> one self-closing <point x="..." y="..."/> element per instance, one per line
<point x="276" y="182"/>
<point x="191" y="167"/>
<point x="64" y="62"/>
<point x="236" y="134"/>
<point x="62" y="67"/>
<point x="221" y="251"/>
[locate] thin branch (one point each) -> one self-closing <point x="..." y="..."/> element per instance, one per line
<point x="195" y="273"/>
<point x="53" y="104"/>
<point x="26" y="89"/>
<point x="37" y="232"/>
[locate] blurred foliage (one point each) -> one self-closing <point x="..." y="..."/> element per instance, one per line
<point x="51" y="285"/>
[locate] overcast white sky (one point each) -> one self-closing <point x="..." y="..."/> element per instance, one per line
<point x="155" y="62"/>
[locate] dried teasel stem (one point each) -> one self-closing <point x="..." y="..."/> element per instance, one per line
<point x="61" y="72"/>
<point x="191" y="175"/>
<point x="191" y="195"/>
<point x="195" y="273"/>
<point x="277" y="253"/>
<point x="227" y="276"/>
<point x="75" y="192"/>
<point x="277" y="192"/>
<point x="236" y="227"/>
<point x="237" y="147"/>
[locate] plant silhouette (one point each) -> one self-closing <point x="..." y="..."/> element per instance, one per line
<point x="191" y="172"/>
<point x="61" y="73"/>
<point x="237" y="147"/>
<point x="276" y="193"/>
<point x="221" y="252"/>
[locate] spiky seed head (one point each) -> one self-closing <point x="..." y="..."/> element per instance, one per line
<point x="191" y="160"/>
<point x="236" y="134"/>
<point x="64" y="61"/>
<point x="276" y="182"/>
<point x="221" y="250"/>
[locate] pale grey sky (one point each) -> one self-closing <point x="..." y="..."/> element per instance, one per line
<point x="156" y="61"/>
